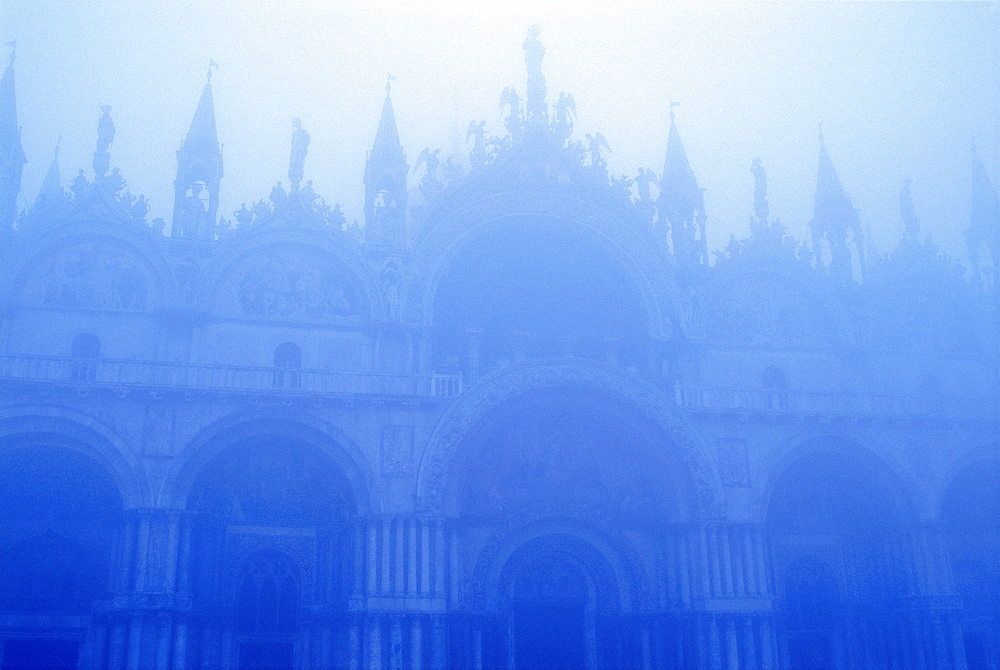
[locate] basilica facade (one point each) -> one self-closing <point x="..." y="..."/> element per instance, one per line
<point x="522" y="417"/>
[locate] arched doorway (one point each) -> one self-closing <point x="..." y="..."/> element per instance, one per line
<point x="272" y="540"/>
<point x="836" y="527"/>
<point x="267" y="611"/>
<point x="561" y="604"/>
<point x="971" y="514"/>
<point x="572" y="486"/>
<point x="63" y="517"/>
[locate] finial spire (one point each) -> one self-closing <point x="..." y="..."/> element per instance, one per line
<point x="681" y="204"/>
<point x="50" y="194"/>
<point x="672" y="105"/>
<point x="300" y="145"/>
<point x="12" y="158"/>
<point x="834" y="217"/>
<point x="13" y="52"/>
<point x="385" y="181"/>
<point x="534" y="52"/>
<point x="199" y="171"/>
<point x="105" y="136"/>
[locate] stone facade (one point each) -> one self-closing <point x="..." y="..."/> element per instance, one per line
<point x="522" y="421"/>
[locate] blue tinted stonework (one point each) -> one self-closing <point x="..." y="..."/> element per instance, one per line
<point x="522" y="417"/>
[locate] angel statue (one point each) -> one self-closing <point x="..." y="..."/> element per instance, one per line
<point x="477" y="131"/>
<point x="596" y="145"/>
<point x="565" y="111"/>
<point x="510" y="99"/>
<point x="429" y="185"/>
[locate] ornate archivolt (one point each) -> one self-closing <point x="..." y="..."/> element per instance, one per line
<point x="435" y="479"/>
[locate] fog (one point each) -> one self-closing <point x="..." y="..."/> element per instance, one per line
<point x="901" y="89"/>
<point x="582" y="404"/>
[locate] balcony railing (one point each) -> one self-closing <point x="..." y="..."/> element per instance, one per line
<point x="156" y="374"/>
<point x="126" y="373"/>
<point x="834" y="404"/>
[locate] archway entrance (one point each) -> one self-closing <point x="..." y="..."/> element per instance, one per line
<point x="559" y="597"/>
<point x="971" y="512"/>
<point x="836" y="527"/>
<point x="272" y="543"/>
<point x="549" y="608"/>
<point x="62" y="515"/>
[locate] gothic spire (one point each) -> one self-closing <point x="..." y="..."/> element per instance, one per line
<point x="534" y="51"/>
<point x="984" y="215"/>
<point x="385" y="181"/>
<point x="51" y="190"/>
<point x="386" y="147"/>
<point x="681" y="203"/>
<point x="12" y="158"/>
<point x="833" y="216"/>
<point x="199" y="172"/>
<point x="202" y="136"/>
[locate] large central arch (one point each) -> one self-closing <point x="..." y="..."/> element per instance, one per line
<point x="437" y="465"/>
<point x="454" y="229"/>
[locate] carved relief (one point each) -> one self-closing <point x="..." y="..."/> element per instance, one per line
<point x="291" y="285"/>
<point x="397" y="451"/>
<point x="158" y="430"/>
<point x="762" y="312"/>
<point x="734" y="462"/>
<point x="462" y="419"/>
<point x="917" y="321"/>
<point x="92" y="276"/>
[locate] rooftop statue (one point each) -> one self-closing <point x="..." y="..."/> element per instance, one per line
<point x="300" y="146"/>
<point x="533" y="54"/>
<point x="565" y="113"/>
<point x="510" y="99"/>
<point x="105" y="136"/>
<point x="596" y="146"/>
<point x="478" y="155"/>
<point x="761" y="209"/>
<point x="105" y="129"/>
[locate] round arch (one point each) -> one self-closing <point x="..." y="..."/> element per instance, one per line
<point x="828" y="321"/>
<point x="212" y="441"/>
<point x="969" y="453"/>
<point x="141" y="278"/>
<point x="437" y="460"/>
<point x="68" y="429"/>
<point x="622" y="582"/>
<point x="845" y="451"/>
<point x="632" y="249"/>
<point x="337" y="251"/>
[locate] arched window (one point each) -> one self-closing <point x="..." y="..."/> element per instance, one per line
<point x="267" y="611"/>
<point x="287" y="361"/>
<point x="268" y="599"/>
<point x="85" y="351"/>
<point x="812" y="608"/>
